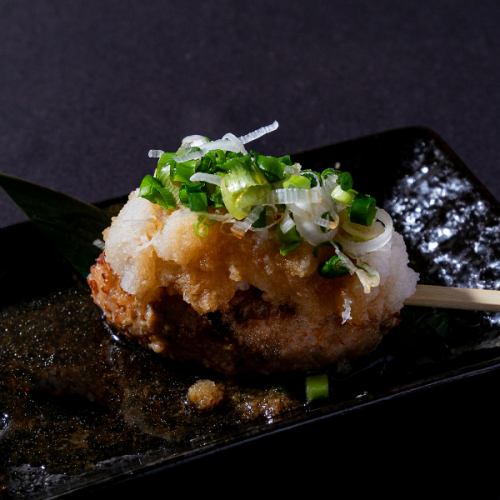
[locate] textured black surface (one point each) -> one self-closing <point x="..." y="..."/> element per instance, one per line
<point x="87" y="87"/>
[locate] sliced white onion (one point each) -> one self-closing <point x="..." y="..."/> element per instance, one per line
<point x="241" y="227"/>
<point x="362" y="233"/>
<point x="368" y="276"/>
<point x="191" y="155"/>
<point x="327" y="223"/>
<point x="357" y="249"/>
<point x="208" y="178"/>
<point x="287" y="222"/>
<point x="257" y="134"/>
<point x="276" y="220"/>
<point x="229" y="142"/>
<point x="194" y="140"/>
<point x="265" y="228"/>
<point x="329" y="184"/>
<point x="310" y="231"/>
<point x="155" y="153"/>
<point x="295" y="195"/>
<point x="234" y="145"/>
<point x="346" y="261"/>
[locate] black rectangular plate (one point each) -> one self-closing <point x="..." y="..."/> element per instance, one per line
<point x="451" y="225"/>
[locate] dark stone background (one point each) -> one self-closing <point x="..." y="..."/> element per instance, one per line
<point x="87" y="87"/>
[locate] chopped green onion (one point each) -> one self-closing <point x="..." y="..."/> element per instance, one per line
<point x="202" y="226"/>
<point x="317" y="387"/>
<point x="148" y="187"/>
<point x="297" y="181"/>
<point x="195" y="187"/>
<point x="344" y="197"/>
<point x="344" y="179"/>
<point x="152" y="190"/>
<point x="166" y="158"/>
<point x="363" y="210"/>
<point x="212" y="161"/>
<point x="216" y="197"/>
<point x="313" y="178"/>
<point x="184" y="195"/>
<point x="184" y="171"/>
<point x="243" y="187"/>
<point x="333" y="268"/>
<point x="286" y="160"/>
<point x="290" y="241"/>
<point x="198" y="202"/>
<point x="271" y="167"/>
<point x="190" y="187"/>
<point x="327" y="172"/>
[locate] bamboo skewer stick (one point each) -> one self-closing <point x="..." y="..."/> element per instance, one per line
<point x="455" y="298"/>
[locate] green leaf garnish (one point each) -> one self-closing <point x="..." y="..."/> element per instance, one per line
<point x="70" y="225"/>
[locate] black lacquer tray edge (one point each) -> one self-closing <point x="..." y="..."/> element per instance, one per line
<point x="324" y="414"/>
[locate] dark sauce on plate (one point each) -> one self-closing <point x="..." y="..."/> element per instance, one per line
<point x="73" y="396"/>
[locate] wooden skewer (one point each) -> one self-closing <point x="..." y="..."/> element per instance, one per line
<point x="455" y="298"/>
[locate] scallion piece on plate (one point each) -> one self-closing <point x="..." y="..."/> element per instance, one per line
<point x="317" y="387"/>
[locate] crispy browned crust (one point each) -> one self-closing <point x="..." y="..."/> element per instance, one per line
<point x="251" y="335"/>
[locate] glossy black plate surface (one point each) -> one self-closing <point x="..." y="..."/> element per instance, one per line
<point x="80" y="408"/>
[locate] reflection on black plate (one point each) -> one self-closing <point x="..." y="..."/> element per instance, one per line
<point x="79" y="407"/>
